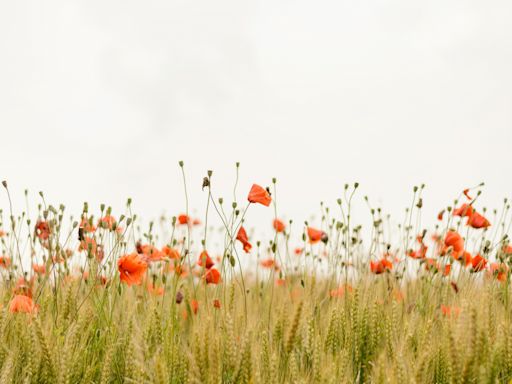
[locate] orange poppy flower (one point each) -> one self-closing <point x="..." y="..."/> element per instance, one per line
<point x="298" y="251"/>
<point x="465" y="210"/>
<point x="5" y="262"/>
<point x="454" y="240"/>
<point x="260" y="195"/>
<point x="477" y="221"/>
<point x="449" y="311"/>
<point x="464" y="258"/>
<point x="183" y="219"/>
<point x="107" y="222"/>
<point x="380" y="266"/>
<point x="280" y="282"/>
<point x="132" y="268"/>
<point x="87" y="226"/>
<point x="440" y="215"/>
<point x="205" y="260"/>
<point x="88" y="244"/>
<point x="22" y="303"/>
<point x="340" y="291"/>
<point x="216" y="303"/>
<point x="420" y="253"/>
<point x="315" y="235"/>
<point x="154" y="290"/>
<point x="242" y="237"/>
<point x="479" y="263"/>
<point x="507" y="249"/>
<point x="151" y="253"/>
<point x="447" y="269"/>
<point x="42" y="230"/>
<point x="194" y="305"/>
<point x="39" y="268"/>
<point x="431" y="264"/>
<point x="212" y="276"/>
<point x="498" y="270"/>
<point x="171" y="253"/>
<point x="24" y="286"/>
<point x="2" y="233"/>
<point x="278" y="225"/>
<point x="269" y="263"/>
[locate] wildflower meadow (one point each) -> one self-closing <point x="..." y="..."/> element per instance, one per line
<point x="99" y="296"/>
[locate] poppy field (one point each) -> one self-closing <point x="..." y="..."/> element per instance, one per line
<point x="103" y="297"/>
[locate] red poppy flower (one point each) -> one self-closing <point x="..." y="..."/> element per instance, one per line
<point x="151" y="253"/>
<point x="268" y="263"/>
<point x="194" y="305"/>
<point x="478" y="263"/>
<point x="183" y="219"/>
<point x="507" y="249"/>
<point x="87" y="226"/>
<point x="5" y="261"/>
<point x="88" y="244"/>
<point x="449" y="311"/>
<point x="242" y="237"/>
<point x="132" y="268"/>
<point x="278" y="225"/>
<point x="171" y="252"/>
<point x="477" y="221"/>
<point x="260" y="195"/>
<point x="216" y="303"/>
<point x="42" y="230"/>
<point x="154" y="290"/>
<point x="107" y="222"/>
<point x="466" y="193"/>
<point x="465" y="210"/>
<point x="212" y="276"/>
<point x="22" y="303"/>
<point x="39" y="268"/>
<point x="454" y="240"/>
<point x="440" y="215"/>
<point x="380" y="266"/>
<point x="420" y="253"/>
<point x="205" y="260"/>
<point x="499" y="270"/>
<point x="315" y="235"/>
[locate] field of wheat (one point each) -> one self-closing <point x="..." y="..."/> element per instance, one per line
<point x="100" y="298"/>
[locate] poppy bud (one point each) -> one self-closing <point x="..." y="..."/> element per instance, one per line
<point x="180" y="163"/>
<point x="179" y="297"/>
<point x="206" y="182"/>
<point x="4" y="183"/>
<point x="324" y="238"/>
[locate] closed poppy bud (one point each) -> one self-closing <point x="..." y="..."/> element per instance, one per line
<point x="179" y="297"/>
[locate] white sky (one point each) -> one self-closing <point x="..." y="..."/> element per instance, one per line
<point x="100" y="99"/>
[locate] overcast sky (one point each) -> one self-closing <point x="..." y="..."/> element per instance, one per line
<point x="99" y="100"/>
